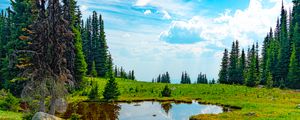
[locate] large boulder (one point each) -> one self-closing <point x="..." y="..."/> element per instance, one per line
<point x="44" y="116"/>
<point x="61" y="105"/>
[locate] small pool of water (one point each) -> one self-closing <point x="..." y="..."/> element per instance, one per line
<point x="140" y="111"/>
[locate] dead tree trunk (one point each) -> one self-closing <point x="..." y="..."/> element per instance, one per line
<point x="48" y="73"/>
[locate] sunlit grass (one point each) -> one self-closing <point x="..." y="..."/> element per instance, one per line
<point x="7" y="115"/>
<point x="256" y="103"/>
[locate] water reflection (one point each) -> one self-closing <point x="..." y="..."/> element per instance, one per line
<point x="94" y="111"/>
<point x="166" y="106"/>
<point x="140" y="111"/>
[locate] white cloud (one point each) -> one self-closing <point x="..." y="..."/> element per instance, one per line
<point x="247" y="26"/>
<point x="147" y="12"/>
<point x="142" y="2"/>
<point x="166" y="15"/>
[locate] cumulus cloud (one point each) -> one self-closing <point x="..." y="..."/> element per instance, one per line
<point x="147" y="12"/>
<point x="142" y="2"/>
<point x="166" y="15"/>
<point x="247" y="26"/>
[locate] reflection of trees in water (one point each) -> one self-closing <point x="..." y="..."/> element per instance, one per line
<point x="94" y="111"/>
<point x="166" y="106"/>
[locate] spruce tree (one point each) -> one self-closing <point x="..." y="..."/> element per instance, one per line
<point x="80" y="65"/>
<point x="102" y="49"/>
<point x="242" y="68"/>
<point x="223" y="74"/>
<point x="111" y="91"/>
<point x="17" y="22"/>
<point x="294" y="66"/>
<point x="285" y="50"/>
<point x="252" y="78"/>
<point x="233" y="72"/>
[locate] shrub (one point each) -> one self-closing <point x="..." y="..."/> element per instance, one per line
<point x="28" y="116"/>
<point x="166" y="92"/>
<point x="94" y="93"/>
<point x="10" y="103"/>
<point x="75" y="116"/>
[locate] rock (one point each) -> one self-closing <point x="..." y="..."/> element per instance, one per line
<point x="44" y="116"/>
<point x="61" y="105"/>
<point x="298" y="106"/>
<point x="251" y="114"/>
<point x="137" y="104"/>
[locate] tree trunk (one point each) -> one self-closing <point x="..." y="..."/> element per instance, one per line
<point x="52" y="106"/>
<point x="42" y="106"/>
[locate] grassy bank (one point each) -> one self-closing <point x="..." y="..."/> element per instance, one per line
<point x="256" y="103"/>
<point x="7" y="115"/>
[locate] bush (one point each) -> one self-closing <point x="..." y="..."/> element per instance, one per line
<point x="166" y="92"/>
<point x="10" y="103"/>
<point x="28" y="116"/>
<point x="75" y="116"/>
<point x="94" y="93"/>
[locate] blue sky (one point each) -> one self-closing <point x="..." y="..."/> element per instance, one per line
<point x="155" y="36"/>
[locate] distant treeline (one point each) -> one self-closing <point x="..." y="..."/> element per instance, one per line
<point x="185" y="79"/>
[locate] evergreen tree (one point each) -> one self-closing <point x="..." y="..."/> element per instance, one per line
<point x="116" y="71"/>
<point x="252" y="78"/>
<point x="168" y="78"/>
<point x="257" y="67"/>
<point x="242" y="68"/>
<point x="15" y="37"/>
<point x="80" y="65"/>
<point x="233" y="72"/>
<point x="294" y="66"/>
<point x="166" y="92"/>
<point x="265" y="57"/>
<point x="132" y="75"/>
<point x="102" y="49"/>
<point x="223" y="74"/>
<point x="94" y="71"/>
<point x="111" y="91"/>
<point x="87" y="45"/>
<point x="159" y="79"/>
<point x="185" y="79"/>
<point x="285" y="50"/>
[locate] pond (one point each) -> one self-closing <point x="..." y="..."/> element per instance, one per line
<point x="140" y="110"/>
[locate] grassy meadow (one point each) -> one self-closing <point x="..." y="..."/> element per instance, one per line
<point x="256" y="103"/>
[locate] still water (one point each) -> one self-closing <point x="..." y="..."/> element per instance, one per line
<point x="140" y="111"/>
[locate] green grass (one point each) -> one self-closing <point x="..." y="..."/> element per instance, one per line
<point x="265" y="103"/>
<point x="7" y="115"/>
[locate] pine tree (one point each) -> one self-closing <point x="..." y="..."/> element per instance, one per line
<point x="252" y="78"/>
<point x="233" y="72"/>
<point x="257" y="67"/>
<point x="80" y="65"/>
<point x="132" y="75"/>
<point x="15" y="34"/>
<point x="166" y="92"/>
<point x="111" y="91"/>
<point x="294" y="66"/>
<point x="159" y="79"/>
<point x="93" y="71"/>
<point x="265" y="57"/>
<point x="242" y="68"/>
<point x="168" y="78"/>
<point x="102" y="49"/>
<point x="116" y="71"/>
<point x="223" y="74"/>
<point x="285" y="50"/>
<point x="87" y="44"/>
